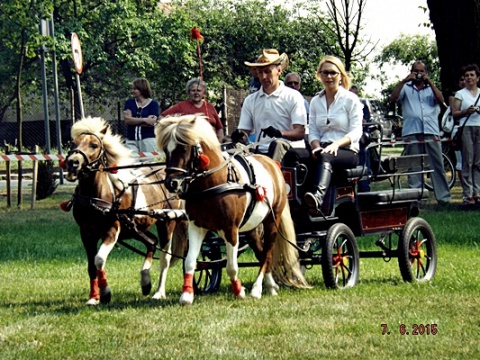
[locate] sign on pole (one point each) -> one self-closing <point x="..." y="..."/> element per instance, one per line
<point x="78" y="63"/>
<point x="77" y="53"/>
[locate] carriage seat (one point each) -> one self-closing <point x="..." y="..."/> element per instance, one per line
<point x="395" y="167"/>
<point x="395" y="196"/>
<point x="296" y="156"/>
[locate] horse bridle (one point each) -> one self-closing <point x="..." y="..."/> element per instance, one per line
<point x="93" y="165"/>
<point x="194" y="171"/>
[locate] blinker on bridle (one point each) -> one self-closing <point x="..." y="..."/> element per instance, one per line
<point x="90" y="165"/>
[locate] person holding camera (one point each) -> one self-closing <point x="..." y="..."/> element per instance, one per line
<point x="466" y="109"/>
<point x="419" y="98"/>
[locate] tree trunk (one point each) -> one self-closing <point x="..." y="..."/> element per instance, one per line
<point x="457" y="29"/>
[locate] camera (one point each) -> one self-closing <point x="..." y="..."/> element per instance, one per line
<point x="418" y="76"/>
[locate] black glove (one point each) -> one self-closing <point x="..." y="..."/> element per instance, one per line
<point x="238" y="136"/>
<point x="272" y="132"/>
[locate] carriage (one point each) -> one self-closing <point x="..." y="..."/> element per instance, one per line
<point x="389" y="215"/>
<point x="258" y="204"/>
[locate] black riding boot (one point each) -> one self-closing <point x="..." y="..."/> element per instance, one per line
<point x="314" y="200"/>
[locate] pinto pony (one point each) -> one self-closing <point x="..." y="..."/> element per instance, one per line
<point x="120" y="204"/>
<point x="229" y="195"/>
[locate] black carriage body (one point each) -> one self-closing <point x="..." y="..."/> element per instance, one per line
<point x="364" y="213"/>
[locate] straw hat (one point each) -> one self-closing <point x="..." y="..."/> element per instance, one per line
<point x="269" y="57"/>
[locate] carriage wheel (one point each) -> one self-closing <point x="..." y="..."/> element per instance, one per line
<point x="340" y="258"/>
<point x="417" y="251"/>
<point x="208" y="274"/>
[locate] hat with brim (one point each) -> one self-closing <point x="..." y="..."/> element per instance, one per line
<point x="270" y="57"/>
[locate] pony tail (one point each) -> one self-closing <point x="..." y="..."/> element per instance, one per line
<point x="285" y="264"/>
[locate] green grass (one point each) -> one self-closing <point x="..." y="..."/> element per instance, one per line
<point x="44" y="285"/>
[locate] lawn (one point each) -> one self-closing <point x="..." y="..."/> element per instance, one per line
<point x="44" y="285"/>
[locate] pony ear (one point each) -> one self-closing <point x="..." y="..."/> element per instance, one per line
<point x="104" y="130"/>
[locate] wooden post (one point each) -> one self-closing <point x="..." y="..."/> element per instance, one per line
<point x="9" y="178"/>
<point x="19" y="182"/>
<point x="34" y="179"/>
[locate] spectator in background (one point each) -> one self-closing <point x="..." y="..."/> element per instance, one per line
<point x="254" y="84"/>
<point x="363" y="185"/>
<point x="420" y="98"/>
<point x="140" y="113"/>
<point x="458" y="153"/>
<point x="465" y="108"/>
<point x="196" y="90"/>
<point x="367" y="114"/>
<point x="293" y="80"/>
<point x="275" y="111"/>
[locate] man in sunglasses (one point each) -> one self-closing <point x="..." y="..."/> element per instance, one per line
<point x="275" y="113"/>
<point x="293" y="80"/>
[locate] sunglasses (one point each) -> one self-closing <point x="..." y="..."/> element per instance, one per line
<point x="292" y="83"/>
<point x="329" y="73"/>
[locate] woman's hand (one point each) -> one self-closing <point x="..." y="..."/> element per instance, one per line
<point x="331" y="149"/>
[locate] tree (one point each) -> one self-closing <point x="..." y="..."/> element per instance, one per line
<point x="457" y="30"/>
<point x="404" y="50"/>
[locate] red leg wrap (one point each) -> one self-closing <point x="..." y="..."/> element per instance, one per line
<point x="187" y="283"/>
<point x="102" y="279"/>
<point x="236" y="287"/>
<point x="94" y="293"/>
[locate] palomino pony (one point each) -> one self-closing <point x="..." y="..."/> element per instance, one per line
<point x="120" y="204"/>
<point x="229" y="195"/>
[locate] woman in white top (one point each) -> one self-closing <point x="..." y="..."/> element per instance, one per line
<point x="335" y="128"/>
<point x="466" y="106"/>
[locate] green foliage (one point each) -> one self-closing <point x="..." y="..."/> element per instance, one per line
<point x="405" y="50"/>
<point x="122" y="40"/>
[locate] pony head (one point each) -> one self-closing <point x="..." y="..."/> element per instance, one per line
<point x="94" y="144"/>
<point x="185" y="140"/>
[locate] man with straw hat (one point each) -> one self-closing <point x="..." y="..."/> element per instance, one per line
<point x="275" y="113"/>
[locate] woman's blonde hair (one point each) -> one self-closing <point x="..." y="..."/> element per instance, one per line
<point x="346" y="81"/>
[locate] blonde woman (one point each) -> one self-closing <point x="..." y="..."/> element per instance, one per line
<point x="335" y="128"/>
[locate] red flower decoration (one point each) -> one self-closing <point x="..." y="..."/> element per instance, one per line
<point x="195" y="34"/>
<point x="66" y="205"/>
<point x="203" y="161"/>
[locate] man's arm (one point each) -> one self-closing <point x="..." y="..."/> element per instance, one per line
<point x="297" y="133"/>
<point x="396" y="92"/>
<point x="437" y="93"/>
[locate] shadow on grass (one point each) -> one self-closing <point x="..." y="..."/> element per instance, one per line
<point x="128" y="300"/>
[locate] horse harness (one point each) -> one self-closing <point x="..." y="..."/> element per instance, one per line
<point x="232" y="184"/>
<point x="107" y="208"/>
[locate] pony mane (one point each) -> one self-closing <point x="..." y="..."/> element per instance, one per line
<point x="115" y="151"/>
<point x="186" y="130"/>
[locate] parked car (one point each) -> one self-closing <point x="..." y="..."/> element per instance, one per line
<point x="391" y="122"/>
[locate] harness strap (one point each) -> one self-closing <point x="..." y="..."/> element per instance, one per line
<point x="216" y="190"/>
<point x="252" y="182"/>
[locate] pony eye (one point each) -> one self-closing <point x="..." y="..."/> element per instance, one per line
<point x="94" y="145"/>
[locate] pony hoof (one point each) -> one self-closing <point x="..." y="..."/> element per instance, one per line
<point x="256" y="293"/>
<point x="105" y="295"/>
<point x="145" y="281"/>
<point x="241" y="295"/>
<point x="159" y="296"/>
<point x="272" y="291"/>
<point x="146" y="289"/>
<point x="186" y="299"/>
<point x="92" y="302"/>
